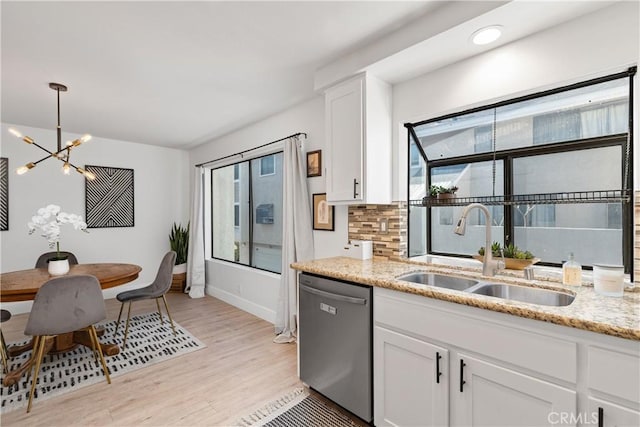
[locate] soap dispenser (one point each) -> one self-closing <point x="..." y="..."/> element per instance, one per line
<point x="572" y="272"/>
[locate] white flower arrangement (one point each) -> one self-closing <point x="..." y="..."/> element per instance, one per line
<point x="49" y="219"/>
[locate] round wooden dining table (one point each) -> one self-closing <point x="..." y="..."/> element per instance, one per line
<point x="24" y="285"/>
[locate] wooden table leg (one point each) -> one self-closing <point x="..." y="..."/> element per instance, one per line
<point x="14" y="376"/>
<point x="17" y="350"/>
<point x="82" y="337"/>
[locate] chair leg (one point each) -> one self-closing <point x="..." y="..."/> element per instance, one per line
<point x="95" y="342"/>
<point x="39" y="353"/>
<point x="159" y="311"/>
<point x="119" y="317"/>
<point x="169" y="314"/>
<point x="126" y="329"/>
<point x="3" y="353"/>
<point x="34" y="353"/>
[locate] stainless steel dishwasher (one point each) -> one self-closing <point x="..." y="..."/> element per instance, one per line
<point x="335" y="336"/>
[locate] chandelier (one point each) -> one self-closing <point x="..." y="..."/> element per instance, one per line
<point x="63" y="153"/>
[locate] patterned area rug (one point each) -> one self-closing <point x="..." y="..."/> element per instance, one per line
<point x="298" y="408"/>
<point x="148" y="343"/>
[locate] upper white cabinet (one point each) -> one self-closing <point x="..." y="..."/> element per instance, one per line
<point x="358" y="149"/>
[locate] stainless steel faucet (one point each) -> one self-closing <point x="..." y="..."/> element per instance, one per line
<point x="489" y="267"/>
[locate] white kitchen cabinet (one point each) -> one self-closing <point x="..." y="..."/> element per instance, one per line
<point x="608" y="414"/>
<point x="358" y="141"/>
<point x="490" y="395"/>
<point x="414" y="389"/>
<point x="615" y="374"/>
<point x="516" y="371"/>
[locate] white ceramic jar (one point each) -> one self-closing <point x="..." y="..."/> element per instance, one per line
<point x="608" y="279"/>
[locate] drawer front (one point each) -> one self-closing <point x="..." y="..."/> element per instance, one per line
<point x="614" y="373"/>
<point x="435" y="321"/>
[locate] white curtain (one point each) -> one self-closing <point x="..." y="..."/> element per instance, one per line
<point x="195" y="259"/>
<point x="297" y="237"/>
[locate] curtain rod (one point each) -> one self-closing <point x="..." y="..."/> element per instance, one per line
<point x="251" y="149"/>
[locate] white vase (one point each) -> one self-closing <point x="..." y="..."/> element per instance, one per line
<point x="58" y="267"/>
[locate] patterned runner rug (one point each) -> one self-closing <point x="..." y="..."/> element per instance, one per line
<point x="298" y="408"/>
<point x="148" y="343"/>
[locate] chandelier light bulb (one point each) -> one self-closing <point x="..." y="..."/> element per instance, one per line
<point x="89" y="175"/>
<point x="85" y="138"/>
<point x="487" y="35"/>
<point x="69" y="143"/>
<point x="24" y="169"/>
<point x="15" y="132"/>
<point x="66" y="168"/>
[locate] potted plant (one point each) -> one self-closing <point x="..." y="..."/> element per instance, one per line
<point x="434" y="190"/>
<point x="447" y="192"/>
<point x="179" y="240"/>
<point x="48" y="220"/>
<point x="514" y="257"/>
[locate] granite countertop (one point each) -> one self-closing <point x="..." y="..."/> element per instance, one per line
<point x="619" y="317"/>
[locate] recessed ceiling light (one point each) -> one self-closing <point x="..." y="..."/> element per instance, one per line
<point x="486" y="35"/>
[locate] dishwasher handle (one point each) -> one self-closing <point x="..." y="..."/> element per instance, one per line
<point x="330" y="295"/>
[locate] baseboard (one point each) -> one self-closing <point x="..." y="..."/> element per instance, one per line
<point x="243" y="304"/>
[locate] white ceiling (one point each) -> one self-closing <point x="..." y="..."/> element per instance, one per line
<point x="178" y="74"/>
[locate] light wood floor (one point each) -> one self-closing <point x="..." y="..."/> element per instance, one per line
<point x="240" y="371"/>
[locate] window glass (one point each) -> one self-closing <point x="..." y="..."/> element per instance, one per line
<point x="247" y="212"/>
<point x="587" y="112"/>
<point x="592" y="231"/>
<point x="472" y="180"/>
<point x="267" y="165"/>
<point x="267" y="223"/>
<point x="230" y="218"/>
<point x="417" y="214"/>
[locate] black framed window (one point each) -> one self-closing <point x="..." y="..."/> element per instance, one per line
<point x="567" y="140"/>
<point x="246" y="206"/>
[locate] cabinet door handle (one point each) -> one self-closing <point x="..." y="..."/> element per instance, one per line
<point x="600" y="417"/>
<point x="438" y="373"/>
<point x="355" y="184"/>
<point x="462" y="381"/>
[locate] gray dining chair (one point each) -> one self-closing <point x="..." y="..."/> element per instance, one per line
<point x="156" y="290"/>
<point x="62" y="305"/>
<point x="43" y="259"/>
<point x="4" y="352"/>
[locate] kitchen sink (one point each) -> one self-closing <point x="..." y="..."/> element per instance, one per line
<point x="524" y="294"/>
<point x="498" y="290"/>
<point x="439" y="280"/>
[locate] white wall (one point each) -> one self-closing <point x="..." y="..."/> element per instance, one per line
<point x="161" y="186"/>
<point x="254" y="290"/>
<point x="597" y="44"/>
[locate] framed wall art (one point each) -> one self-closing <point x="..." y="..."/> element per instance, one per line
<point x="109" y="197"/>
<point x="322" y="213"/>
<point x="4" y="193"/>
<point x="314" y="163"/>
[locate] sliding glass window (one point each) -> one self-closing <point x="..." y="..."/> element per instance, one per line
<point x="246" y="212"/>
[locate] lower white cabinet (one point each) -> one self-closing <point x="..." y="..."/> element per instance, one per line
<point x="489" y="395"/>
<point x="608" y="414"/>
<point x="411" y="381"/>
<point x="496" y="369"/>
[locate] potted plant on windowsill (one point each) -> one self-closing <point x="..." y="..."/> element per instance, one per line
<point x="434" y="190"/>
<point x="445" y="193"/>
<point x="514" y="257"/>
<point x="179" y="240"/>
